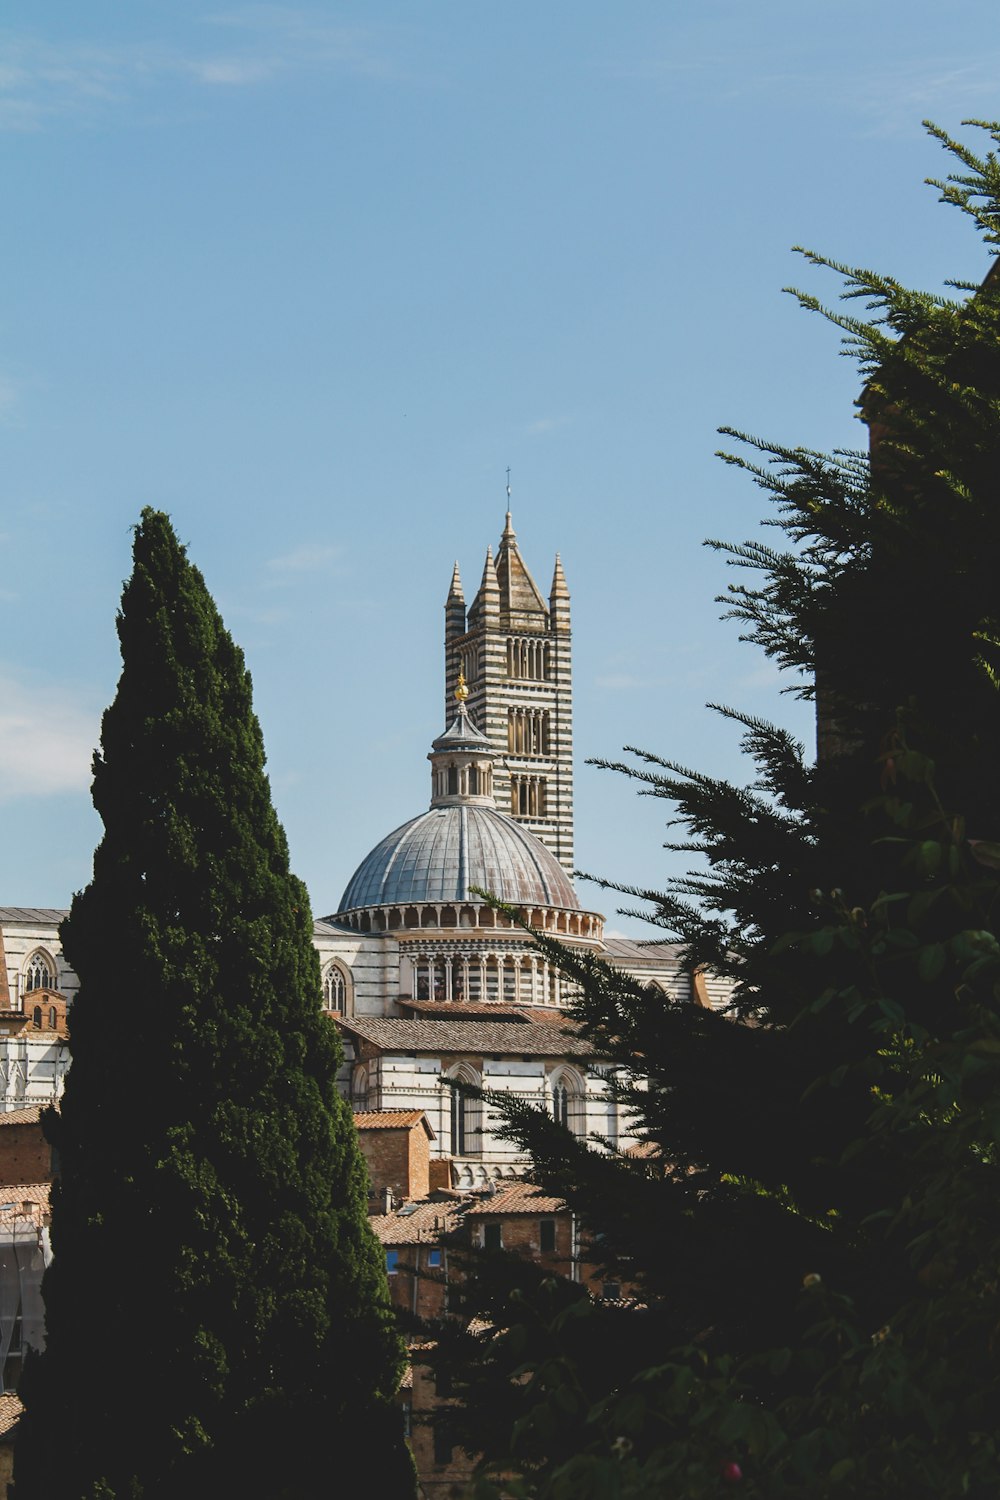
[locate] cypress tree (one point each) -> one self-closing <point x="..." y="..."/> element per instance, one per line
<point x="816" y="1244"/>
<point x="218" y="1318"/>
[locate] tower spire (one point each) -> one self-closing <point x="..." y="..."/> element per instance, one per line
<point x="559" y="598"/>
<point x="454" y="610"/>
<point x="515" y="654"/>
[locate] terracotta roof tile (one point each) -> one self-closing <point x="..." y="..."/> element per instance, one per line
<point x="508" y="1038"/>
<point x="30" y="1115"/>
<point x="481" y="1010"/>
<point x="14" y="1198"/>
<point x="517" y="1198"/>
<point x="651" y="1149"/>
<point x="392" y="1119"/>
<point x="421" y="1223"/>
<point x="10" y="1411"/>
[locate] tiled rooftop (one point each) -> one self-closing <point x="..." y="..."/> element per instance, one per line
<point x="458" y="1010"/>
<point x="32" y="914"/>
<point x="497" y="1038"/>
<point x="14" y="1197"/>
<point x="10" y="1411"/>
<point x="418" y="1223"/>
<point x="391" y="1119"/>
<point x="517" y="1198"/>
<point x="476" y="1010"/>
<point x="28" y="1116"/>
<point x="633" y="951"/>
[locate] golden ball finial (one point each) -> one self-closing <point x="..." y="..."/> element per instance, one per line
<point x="461" y="691"/>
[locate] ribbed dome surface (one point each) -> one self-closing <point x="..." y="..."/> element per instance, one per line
<point x="438" y="856"/>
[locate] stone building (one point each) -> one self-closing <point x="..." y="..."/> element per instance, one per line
<point x="429" y="983"/>
<point x="36" y="987"/>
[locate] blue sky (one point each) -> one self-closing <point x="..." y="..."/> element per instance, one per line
<point x="311" y="277"/>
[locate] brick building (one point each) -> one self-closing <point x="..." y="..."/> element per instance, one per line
<point x="431" y="985"/>
<point x="396" y="1147"/>
<point x="25" y="1154"/>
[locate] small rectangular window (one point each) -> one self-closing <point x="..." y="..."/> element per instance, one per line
<point x="492" y="1237"/>
<point x="434" y="1258"/>
<point x="392" y="1261"/>
<point x="547" y="1234"/>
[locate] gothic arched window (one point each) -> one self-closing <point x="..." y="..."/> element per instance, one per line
<point x="335" y="989"/>
<point x="568" y="1101"/>
<point x="359" y="1088"/>
<point x="40" y="972"/>
<point x="465" y="1115"/>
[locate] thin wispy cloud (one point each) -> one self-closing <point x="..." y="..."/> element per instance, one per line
<point x="295" y="36"/>
<point x="896" y="96"/>
<point x="46" y="741"/>
<point x="231" y="72"/>
<point x="311" y="557"/>
<point x="545" y="424"/>
<point x="888" y="95"/>
<point x="41" y="80"/>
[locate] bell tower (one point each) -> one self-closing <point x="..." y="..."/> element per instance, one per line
<point x="513" y="649"/>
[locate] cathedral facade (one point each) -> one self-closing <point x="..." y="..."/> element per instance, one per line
<point x="427" y="981"/>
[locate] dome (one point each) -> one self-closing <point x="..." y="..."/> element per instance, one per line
<point x="438" y="856"/>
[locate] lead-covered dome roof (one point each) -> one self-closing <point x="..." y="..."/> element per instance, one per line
<point x="439" y="856"/>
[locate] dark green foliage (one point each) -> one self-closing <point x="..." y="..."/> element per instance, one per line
<point x="217" y="1311"/>
<point x="822" y="1253"/>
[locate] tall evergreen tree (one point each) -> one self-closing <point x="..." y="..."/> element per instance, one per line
<point x="218" y="1318"/>
<point x="817" y="1243"/>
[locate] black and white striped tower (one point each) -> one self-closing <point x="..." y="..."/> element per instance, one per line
<point x="514" y="650"/>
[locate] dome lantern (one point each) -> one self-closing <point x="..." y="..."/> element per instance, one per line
<point x="461" y="760"/>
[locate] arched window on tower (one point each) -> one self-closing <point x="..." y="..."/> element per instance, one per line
<point x="335" y="989"/>
<point x="39" y="972"/>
